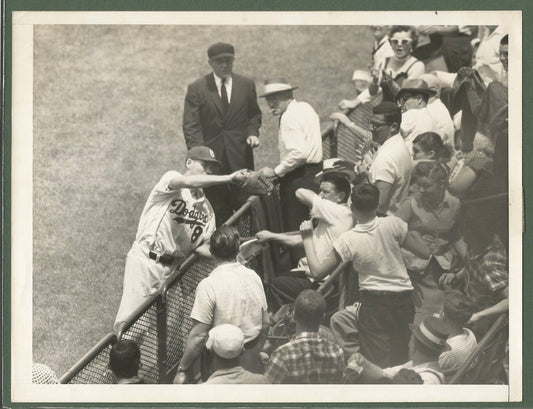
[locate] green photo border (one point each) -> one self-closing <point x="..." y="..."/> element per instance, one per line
<point x="9" y="6"/>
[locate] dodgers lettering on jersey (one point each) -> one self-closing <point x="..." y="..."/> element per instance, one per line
<point x="173" y="221"/>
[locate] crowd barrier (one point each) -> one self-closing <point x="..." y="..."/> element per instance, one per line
<point x="160" y="326"/>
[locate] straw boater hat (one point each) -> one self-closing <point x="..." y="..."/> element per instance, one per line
<point x="415" y="86"/>
<point x="275" y="85"/>
<point x="339" y="167"/>
<point x="432" y="332"/>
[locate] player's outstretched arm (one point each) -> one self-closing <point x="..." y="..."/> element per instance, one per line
<point x="199" y="181"/>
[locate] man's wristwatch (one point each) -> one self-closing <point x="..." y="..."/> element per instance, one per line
<point x="181" y="369"/>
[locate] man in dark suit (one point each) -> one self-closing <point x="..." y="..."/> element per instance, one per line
<point x="221" y="112"/>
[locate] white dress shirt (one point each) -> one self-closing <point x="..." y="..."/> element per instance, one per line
<point x="443" y="122"/>
<point x="300" y="141"/>
<point x="414" y="122"/>
<point x="218" y="82"/>
<point x="488" y="53"/>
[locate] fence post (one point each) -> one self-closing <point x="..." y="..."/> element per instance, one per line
<point x="162" y="336"/>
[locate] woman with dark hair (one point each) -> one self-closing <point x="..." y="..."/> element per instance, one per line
<point x="429" y="145"/>
<point x="403" y="40"/>
<point x="434" y="213"/>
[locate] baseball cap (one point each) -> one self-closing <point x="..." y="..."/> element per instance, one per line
<point x="203" y="153"/>
<point x="220" y="49"/>
<point x="432" y="332"/>
<point x="226" y="340"/>
<point x="339" y="167"/>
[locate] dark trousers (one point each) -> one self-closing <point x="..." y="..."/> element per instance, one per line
<point x="384" y="332"/>
<point x="294" y="213"/>
<point x="225" y="199"/>
<point x="285" y="288"/>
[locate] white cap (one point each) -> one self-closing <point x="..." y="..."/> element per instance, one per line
<point x="431" y="80"/>
<point x="226" y="340"/>
<point x="361" y="75"/>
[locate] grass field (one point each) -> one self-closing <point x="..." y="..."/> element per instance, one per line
<point x="108" y="102"/>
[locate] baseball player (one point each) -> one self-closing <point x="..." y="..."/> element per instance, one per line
<point x="176" y="220"/>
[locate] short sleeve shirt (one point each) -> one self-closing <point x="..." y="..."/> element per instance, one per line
<point x="232" y="294"/>
<point x="374" y="249"/>
<point x="393" y="164"/>
<point x="174" y="222"/>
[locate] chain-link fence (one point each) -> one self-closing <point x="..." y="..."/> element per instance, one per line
<point x="161" y="325"/>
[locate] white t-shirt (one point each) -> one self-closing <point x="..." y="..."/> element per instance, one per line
<point x="232" y="294"/>
<point x="415" y="122"/>
<point x="393" y="164"/>
<point x="333" y="220"/>
<point x="300" y="140"/>
<point x="374" y="249"/>
<point x="443" y="122"/>
<point x="461" y="347"/>
<point x="174" y="222"/>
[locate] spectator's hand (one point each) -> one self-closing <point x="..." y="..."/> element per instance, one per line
<point x="268" y="172"/>
<point x="386" y="79"/>
<point x="339" y="116"/>
<point x="263" y="236"/>
<point x="474" y="318"/>
<point x="181" y="378"/>
<point x="252" y="141"/>
<point x="446" y="280"/>
<point x="264" y="358"/>
<point x="306" y="228"/>
<point x="348" y="103"/>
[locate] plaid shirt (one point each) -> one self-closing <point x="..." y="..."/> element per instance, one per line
<point x="486" y="274"/>
<point x="307" y="358"/>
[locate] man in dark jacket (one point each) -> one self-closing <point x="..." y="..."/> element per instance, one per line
<point x="221" y="112"/>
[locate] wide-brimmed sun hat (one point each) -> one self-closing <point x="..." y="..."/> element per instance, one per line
<point x="415" y="86"/>
<point x="275" y="85"/>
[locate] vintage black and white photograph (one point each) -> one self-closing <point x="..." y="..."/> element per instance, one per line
<point x="267" y="198"/>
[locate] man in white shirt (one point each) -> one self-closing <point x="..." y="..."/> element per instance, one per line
<point x="382" y="48"/>
<point x="439" y="113"/>
<point x="391" y="168"/>
<point x="416" y="119"/>
<point x="334" y="217"/>
<point x="300" y="149"/>
<point x="488" y="53"/>
<point x="231" y="294"/>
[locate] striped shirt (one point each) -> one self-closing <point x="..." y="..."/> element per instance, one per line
<point x="307" y="358"/>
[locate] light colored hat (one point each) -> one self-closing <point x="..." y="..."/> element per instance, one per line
<point x="226" y="340"/>
<point x="415" y="86"/>
<point x="339" y="167"/>
<point x="432" y="332"/>
<point x="275" y="85"/>
<point x="431" y="80"/>
<point x="361" y="75"/>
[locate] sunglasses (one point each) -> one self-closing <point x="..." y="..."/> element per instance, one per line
<point x="376" y="125"/>
<point x="404" y="41"/>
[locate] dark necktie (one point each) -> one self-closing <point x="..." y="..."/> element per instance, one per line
<point x="224" y="95"/>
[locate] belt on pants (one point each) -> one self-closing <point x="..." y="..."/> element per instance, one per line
<point x="164" y="259"/>
<point x="370" y="293"/>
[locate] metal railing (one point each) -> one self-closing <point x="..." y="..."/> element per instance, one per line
<point x="161" y="324"/>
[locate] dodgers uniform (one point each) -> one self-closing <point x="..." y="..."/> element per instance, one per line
<point x="173" y="223"/>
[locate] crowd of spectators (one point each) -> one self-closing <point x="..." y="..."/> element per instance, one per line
<point x="423" y="220"/>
